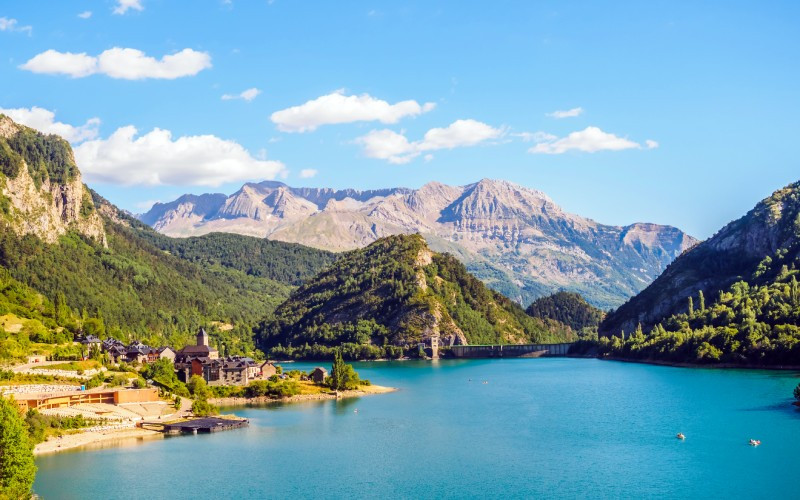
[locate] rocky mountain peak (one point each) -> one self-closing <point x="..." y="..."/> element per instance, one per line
<point x="516" y="238"/>
<point x="42" y="186"/>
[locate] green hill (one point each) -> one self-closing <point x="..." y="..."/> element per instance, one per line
<point x="569" y="308"/>
<point x="71" y="262"/>
<point x="396" y="293"/>
<point x="733" y="298"/>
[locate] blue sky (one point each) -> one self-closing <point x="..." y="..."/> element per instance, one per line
<point x="688" y="111"/>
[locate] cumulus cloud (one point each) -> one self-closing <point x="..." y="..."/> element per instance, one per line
<point x="124" y="6"/>
<point x="121" y="63"/>
<point x="651" y="144"/>
<point x="156" y="158"/>
<point x="85" y="14"/>
<point x="589" y="140"/>
<point x="53" y="62"/>
<point x="44" y="120"/>
<point x="7" y="24"/>
<point x="336" y="108"/>
<point x="247" y="95"/>
<point x="396" y="148"/>
<point x="569" y="113"/>
<point x="308" y="173"/>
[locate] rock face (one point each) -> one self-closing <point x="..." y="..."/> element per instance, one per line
<point x="733" y="254"/>
<point x="514" y="238"/>
<point x="49" y="208"/>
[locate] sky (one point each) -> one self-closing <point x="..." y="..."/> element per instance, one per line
<point x="680" y="113"/>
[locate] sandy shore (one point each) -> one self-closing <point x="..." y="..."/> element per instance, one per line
<point x="94" y="439"/>
<point x="364" y="391"/>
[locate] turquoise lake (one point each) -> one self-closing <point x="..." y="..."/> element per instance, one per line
<point x="553" y="427"/>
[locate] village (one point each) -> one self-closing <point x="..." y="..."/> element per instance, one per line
<point x="113" y="400"/>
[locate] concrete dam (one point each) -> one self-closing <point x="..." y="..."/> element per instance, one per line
<point x="510" y="350"/>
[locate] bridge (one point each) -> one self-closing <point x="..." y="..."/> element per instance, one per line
<point x="510" y="350"/>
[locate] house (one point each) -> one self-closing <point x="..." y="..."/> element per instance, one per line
<point x="89" y="341"/>
<point x="267" y="369"/>
<point x="207" y="368"/>
<point x="138" y="352"/>
<point x="116" y="353"/>
<point x="318" y="375"/>
<point x="111" y="342"/>
<point x="166" y="353"/>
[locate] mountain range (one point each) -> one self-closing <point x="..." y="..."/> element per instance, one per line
<point x="515" y="239"/>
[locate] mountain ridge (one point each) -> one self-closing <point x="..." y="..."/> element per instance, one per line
<point x="741" y="251"/>
<point x="516" y="239"/>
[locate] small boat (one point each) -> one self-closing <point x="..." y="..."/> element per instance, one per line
<point x="755" y="442"/>
<point x="681" y="436"/>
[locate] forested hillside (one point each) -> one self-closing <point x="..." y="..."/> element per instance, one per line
<point x="734" y="298"/>
<point x="392" y="295"/>
<point x="289" y="263"/>
<point x="568" y="308"/>
<point x="70" y="262"/>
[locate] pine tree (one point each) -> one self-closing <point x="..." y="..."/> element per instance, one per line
<point x="17" y="469"/>
<point x="691" y="307"/>
<point x="702" y="302"/>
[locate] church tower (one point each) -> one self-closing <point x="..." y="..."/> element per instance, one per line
<point x="202" y="337"/>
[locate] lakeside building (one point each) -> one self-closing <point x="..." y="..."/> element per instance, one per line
<point x="231" y="370"/>
<point x="318" y="375"/>
<point x="65" y="399"/>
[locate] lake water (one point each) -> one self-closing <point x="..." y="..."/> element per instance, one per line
<point x="539" y="427"/>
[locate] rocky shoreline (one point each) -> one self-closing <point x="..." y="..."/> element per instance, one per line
<point x="299" y="398"/>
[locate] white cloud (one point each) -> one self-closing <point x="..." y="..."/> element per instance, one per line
<point x="589" y="140"/>
<point x="308" y="173"/>
<point x="569" y="113"/>
<point x="396" y="148"/>
<point x="62" y="63"/>
<point x="247" y="95"/>
<point x="428" y="157"/>
<point x="121" y="63"/>
<point x="651" y="144"/>
<point x="336" y="108"/>
<point x="44" y="120"/>
<point x="85" y="14"/>
<point x="156" y="158"/>
<point x="7" y="24"/>
<point x="124" y="6"/>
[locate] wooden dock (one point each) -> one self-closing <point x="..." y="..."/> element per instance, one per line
<point x="204" y="425"/>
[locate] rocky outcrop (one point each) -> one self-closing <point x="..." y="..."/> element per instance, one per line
<point x="731" y="255"/>
<point x="515" y="238"/>
<point x="51" y="209"/>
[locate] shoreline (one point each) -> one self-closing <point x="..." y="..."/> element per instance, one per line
<point x="69" y="442"/>
<point x="368" y="390"/>
<point x="678" y="364"/>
